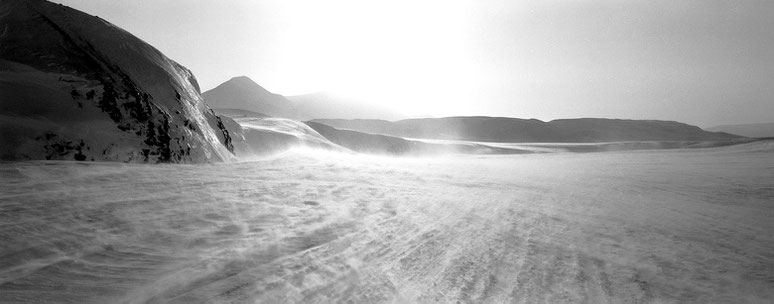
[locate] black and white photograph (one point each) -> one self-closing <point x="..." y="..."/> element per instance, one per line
<point x="375" y="151"/>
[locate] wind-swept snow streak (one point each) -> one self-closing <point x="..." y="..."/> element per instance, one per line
<point x="320" y="227"/>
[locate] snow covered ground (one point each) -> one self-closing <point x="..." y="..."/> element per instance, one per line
<point x="312" y="226"/>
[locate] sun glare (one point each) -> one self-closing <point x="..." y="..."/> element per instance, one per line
<point x="407" y="55"/>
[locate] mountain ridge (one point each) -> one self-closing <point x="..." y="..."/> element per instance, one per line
<point x="749" y="130"/>
<point x="509" y="129"/>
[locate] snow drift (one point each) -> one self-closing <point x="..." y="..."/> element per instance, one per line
<point x="74" y="86"/>
<point x="382" y="144"/>
<point x="676" y="226"/>
<point x="255" y="135"/>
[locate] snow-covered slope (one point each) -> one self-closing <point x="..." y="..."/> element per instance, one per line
<point x="390" y="145"/>
<point x="73" y="86"/>
<point x="258" y="136"/>
<point x="255" y="135"/>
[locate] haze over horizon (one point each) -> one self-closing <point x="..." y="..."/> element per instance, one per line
<point x="700" y="62"/>
<point x="123" y="179"/>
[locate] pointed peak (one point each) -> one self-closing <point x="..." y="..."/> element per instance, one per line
<point x="244" y="82"/>
<point x="243" y="79"/>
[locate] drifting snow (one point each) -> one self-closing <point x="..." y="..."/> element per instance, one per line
<point x="313" y="226"/>
<point x="390" y="145"/>
<point x="255" y="136"/>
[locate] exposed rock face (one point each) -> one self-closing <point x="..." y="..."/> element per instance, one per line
<point x="75" y="87"/>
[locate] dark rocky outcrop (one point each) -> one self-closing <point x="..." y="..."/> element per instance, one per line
<point x="84" y="89"/>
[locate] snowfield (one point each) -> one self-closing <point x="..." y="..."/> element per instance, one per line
<point x="311" y="226"/>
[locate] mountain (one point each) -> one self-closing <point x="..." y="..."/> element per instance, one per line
<point x="323" y="105"/>
<point x="505" y="129"/>
<point x="748" y="130"/>
<point x="244" y="94"/>
<point x="75" y="87"/>
<point x="598" y="130"/>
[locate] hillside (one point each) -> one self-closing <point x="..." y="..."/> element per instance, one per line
<point x="390" y="145"/>
<point x="504" y="129"/>
<point x="260" y="136"/>
<point x="84" y="89"/>
<point x="748" y="130"/>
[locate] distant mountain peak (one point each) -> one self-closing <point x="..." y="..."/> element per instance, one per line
<point x="243" y="93"/>
<point x="241" y="78"/>
<point x="244" y="82"/>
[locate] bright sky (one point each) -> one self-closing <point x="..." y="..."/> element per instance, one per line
<point x="702" y="62"/>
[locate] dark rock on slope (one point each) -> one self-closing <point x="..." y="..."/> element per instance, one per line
<point x="75" y="87"/>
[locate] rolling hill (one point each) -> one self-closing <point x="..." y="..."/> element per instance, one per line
<point x="748" y="130"/>
<point x="506" y="129"/>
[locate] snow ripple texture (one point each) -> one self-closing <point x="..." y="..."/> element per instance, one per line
<point x="320" y="227"/>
